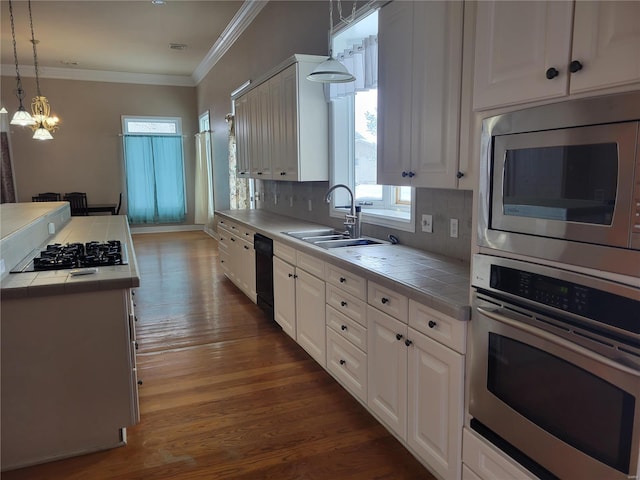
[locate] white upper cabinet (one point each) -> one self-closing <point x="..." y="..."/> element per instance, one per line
<point x="241" y="125"/>
<point x="285" y="124"/>
<point x="606" y="40"/>
<point x="419" y="88"/>
<point x="534" y="50"/>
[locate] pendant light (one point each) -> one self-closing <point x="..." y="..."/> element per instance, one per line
<point x="40" y="109"/>
<point x="331" y="70"/>
<point x="21" y="117"/>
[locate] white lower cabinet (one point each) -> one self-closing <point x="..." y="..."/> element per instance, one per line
<point x="237" y="256"/>
<point x="416" y="387"/>
<point x="299" y="302"/>
<point x="310" y="328"/>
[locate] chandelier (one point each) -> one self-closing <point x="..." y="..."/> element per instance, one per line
<point x="21" y="117"/>
<point x="44" y="122"/>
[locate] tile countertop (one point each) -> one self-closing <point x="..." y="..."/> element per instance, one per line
<point x="434" y="280"/>
<point x="78" y="229"/>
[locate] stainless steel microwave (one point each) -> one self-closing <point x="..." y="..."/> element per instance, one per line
<point x="561" y="182"/>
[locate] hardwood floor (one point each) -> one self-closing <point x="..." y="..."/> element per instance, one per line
<point x="227" y="394"/>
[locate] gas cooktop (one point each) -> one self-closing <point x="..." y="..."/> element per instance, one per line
<point x="74" y="255"/>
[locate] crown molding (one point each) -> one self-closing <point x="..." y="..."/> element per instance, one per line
<point x="242" y="19"/>
<point x="100" y="76"/>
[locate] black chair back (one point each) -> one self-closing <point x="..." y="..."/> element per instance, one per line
<point x="77" y="202"/>
<point x="46" y="197"/>
<point x="119" y="204"/>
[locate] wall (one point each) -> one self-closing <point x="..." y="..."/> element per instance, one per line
<point x="441" y="203"/>
<point x="86" y="154"/>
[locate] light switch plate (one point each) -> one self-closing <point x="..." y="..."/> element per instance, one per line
<point x="427" y="223"/>
<point x="453" y="228"/>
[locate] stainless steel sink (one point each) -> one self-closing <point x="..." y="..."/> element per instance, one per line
<point x="348" y="242"/>
<point x="317" y="234"/>
<point x="331" y="238"/>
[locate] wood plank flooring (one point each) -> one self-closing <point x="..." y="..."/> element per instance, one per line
<point x="227" y="394"/>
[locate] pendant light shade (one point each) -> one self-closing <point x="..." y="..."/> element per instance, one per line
<point x="330" y="71"/>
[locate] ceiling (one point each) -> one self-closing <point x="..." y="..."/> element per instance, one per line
<point x="132" y="37"/>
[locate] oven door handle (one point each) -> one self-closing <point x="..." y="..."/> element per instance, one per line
<point x="561" y="342"/>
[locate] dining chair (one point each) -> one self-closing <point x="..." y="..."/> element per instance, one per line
<point x="117" y="212"/>
<point x="46" y="197"/>
<point x="77" y="202"/>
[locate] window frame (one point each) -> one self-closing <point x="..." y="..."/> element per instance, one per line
<point x="177" y="121"/>
<point x="341" y="142"/>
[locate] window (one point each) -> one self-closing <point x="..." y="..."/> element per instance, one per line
<point x="354" y="118"/>
<point x="154" y="166"/>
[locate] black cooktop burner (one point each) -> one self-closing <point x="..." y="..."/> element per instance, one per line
<point x="77" y="255"/>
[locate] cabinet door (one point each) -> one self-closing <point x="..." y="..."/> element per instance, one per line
<point x="278" y="141"/>
<point x="289" y="123"/>
<point x="437" y="76"/>
<point x="606" y="40"/>
<point x="387" y="369"/>
<point x="436" y="404"/>
<point x="261" y="125"/>
<point x="284" y="296"/>
<point x="516" y="43"/>
<point x="310" y="315"/>
<point x="395" y="38"/>
<point x="241" y="125"/>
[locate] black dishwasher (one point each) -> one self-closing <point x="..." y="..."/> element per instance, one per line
<point x="264" y="273"/>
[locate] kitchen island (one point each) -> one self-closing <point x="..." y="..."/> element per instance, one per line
<point x="69" y="378"/>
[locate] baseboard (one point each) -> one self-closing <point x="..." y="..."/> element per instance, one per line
<point x="166" y="229"/>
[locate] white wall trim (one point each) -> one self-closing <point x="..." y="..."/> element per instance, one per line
<point x="242" y="19"/>
<point x="167" y="229"/>
<point x="102" y="76"/>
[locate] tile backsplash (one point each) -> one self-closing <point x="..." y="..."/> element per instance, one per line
<point x="306" y="201"/>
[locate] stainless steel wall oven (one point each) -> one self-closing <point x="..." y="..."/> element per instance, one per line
<point x="555" y="369"/>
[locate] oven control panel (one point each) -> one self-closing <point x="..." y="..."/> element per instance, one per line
<point x="586" y="302"/>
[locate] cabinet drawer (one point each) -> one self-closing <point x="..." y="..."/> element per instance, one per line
<point x="350" y="283"/>
<point x="440" y="327"/>
<point x="388" y="301"/>
<point x="227" y="225"/>
<point x="284" y="252"/>
<point x="347" y="328"/>
<point x="245" y="233"/>
<point x="487" y="461"/>
<point x="348" y="364"/>
<point x="310" y="264"/>
<point x="346" y="304"/>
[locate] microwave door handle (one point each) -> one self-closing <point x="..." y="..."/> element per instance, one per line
<point x="559" y="341"/>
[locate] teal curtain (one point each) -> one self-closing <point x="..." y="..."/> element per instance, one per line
<point x="155" y="178"/>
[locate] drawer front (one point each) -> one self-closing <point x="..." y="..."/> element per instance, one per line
<point x="487" y="462"/>
<point x="347" y="328"/>
<point x="346" y="304"/>
<point x="388" y="301"/>
<point x="350" y="283"/>
<point x="246" y="233"/>
<point x="284" y="252"/>
<point x="227" y="225"/>
<point x="348" y="364"/>
<point x="440" y="327"/>
<point x="310" y="264"/>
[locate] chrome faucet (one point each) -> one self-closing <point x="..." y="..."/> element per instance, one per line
<point x="353" y="220"/>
